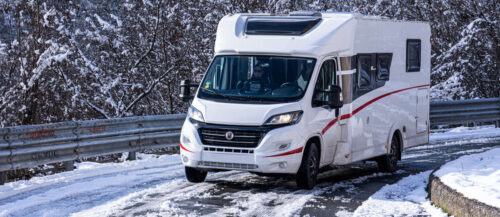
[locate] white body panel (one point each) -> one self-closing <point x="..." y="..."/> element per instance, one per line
<point x="365" y="125"/>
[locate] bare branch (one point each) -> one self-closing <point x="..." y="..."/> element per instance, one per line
<point x="145" y="93"/>
<point x="97" y="109"/>
<point x="139" y="61"/>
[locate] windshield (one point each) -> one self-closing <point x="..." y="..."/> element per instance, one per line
<point x="257" y="78"/>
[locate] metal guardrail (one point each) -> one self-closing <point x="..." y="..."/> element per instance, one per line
<point x="28" y="146"/>
<point x="465" y="111"/>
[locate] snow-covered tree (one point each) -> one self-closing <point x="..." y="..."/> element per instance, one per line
<point x="77" y="60"/>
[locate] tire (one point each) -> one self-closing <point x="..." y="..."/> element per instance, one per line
<point x="389" y="162"/>
<point x="308" y="171"/>
<point x="195" y="175"/>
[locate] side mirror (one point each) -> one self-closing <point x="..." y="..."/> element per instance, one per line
<point x="331" y="97"/>
<point x="185" y="94"/>
<point x="334" y="96"/>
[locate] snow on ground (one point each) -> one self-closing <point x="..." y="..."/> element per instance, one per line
<point x="93" y="180"/>
<point x="466" y="133"/>
<point x="476" y="176"/>
<point x="457" y="136"/>
<point x="250" y="202"/>
<point x="407" y="197"/>
<point x="155" y="186"/>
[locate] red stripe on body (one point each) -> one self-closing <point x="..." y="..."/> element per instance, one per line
<point x="295" y="151"/>
<point x="185" y="149"/>
<point x="346" y="116"/>
<point x="329" y="125"/>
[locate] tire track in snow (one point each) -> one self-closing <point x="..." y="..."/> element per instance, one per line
<point x="224" y="194"/>
<point x="155" y="199"/>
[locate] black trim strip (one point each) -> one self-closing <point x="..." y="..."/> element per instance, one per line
<point x="279" y="26"/>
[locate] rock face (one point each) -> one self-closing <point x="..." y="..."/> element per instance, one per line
<point x="455" y="203"/>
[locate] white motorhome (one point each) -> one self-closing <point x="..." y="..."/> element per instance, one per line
<point x="291" y="94"/>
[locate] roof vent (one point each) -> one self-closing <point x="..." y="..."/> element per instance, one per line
<point x="280" y="25"/>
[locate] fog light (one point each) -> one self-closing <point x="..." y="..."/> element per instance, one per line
<point x="185" y="159"/>
<point x="282" y="165"/>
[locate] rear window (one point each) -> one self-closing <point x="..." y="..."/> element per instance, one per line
<point x="279" y="26"/>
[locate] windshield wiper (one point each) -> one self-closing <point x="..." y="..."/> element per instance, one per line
<point x="243" y="97"/>
<point x="262" y="99"/>
<point x="217" y="93"/>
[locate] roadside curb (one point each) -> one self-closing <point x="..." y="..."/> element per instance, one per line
<point x="455" y="203"/>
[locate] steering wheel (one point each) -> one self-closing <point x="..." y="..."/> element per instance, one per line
<point x="291" y="84"/>
<point x="245" y="87"/>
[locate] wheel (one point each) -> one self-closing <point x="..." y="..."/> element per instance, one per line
<point x="308" y="171"/>
<point x="195" y="175"/>
<point x="389" y="162"/>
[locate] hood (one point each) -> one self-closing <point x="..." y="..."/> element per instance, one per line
<point x="241" y="113"/>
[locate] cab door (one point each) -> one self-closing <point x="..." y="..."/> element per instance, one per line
<point x="325" y="116"/>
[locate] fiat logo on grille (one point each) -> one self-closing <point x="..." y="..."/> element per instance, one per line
<point x="229" y="135"/>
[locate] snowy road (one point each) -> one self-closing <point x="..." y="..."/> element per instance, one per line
<point x="156" y="187"/>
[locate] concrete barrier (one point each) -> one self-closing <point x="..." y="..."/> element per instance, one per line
<point x="455" y="203"/>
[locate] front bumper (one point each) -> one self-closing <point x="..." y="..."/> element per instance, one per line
<point x="279" y="151"/>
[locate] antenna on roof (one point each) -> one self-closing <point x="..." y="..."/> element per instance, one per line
<point x="305" y="13"/>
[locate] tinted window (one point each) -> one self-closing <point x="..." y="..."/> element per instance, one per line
<point x="383" y="66"/>
<point x="326" y="77"/>
<point x="279" y="26"/>
<point x="413" y="55"/>
<point x="364" y="72"/>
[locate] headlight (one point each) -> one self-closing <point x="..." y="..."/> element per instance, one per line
<point x="195" y="114"/>
<point x="285" y="118"/>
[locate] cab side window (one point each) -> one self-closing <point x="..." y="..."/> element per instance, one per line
<point x="364" y="72"/>
<point x="383" y="66"/>
<point x="326" y="77"/>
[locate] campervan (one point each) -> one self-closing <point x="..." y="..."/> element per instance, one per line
<point x="291" y="94"/>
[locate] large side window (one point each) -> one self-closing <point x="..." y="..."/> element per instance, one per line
<point x="413" y="48"/>
<point x="364" y="71"/>
<point x="326" y="77"/>
<point x="383" y="66"/>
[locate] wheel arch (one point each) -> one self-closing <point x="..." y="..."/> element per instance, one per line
<point x="396" y="130"/>
<point x="317" y="140"/>
<point x="398" y="135"/>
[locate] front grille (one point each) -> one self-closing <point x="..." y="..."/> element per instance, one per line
<point x="230" y="150"/>
<point x="228" y="165"/>
<point x="245" y="138"/>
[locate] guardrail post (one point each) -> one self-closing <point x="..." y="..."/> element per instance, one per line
<point x="497" y="124"/>
<point x="3" y="177"/>
<point x="69" y="165"/>
<point x="132" y="155"/>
